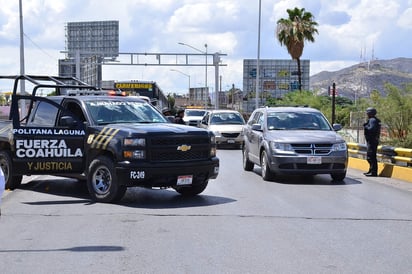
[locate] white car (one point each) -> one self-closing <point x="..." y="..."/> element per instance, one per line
<point x="192" y="116"/>
<point x="227" y="125"/>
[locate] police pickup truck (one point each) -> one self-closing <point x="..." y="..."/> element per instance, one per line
<point x="65" y="127"/>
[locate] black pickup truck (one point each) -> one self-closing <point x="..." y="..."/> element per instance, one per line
<point x="67" y="128"/>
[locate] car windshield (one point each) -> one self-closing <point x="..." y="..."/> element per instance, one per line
<point x="297" y="121"/>
<point x="200" y="113"/>
<point x="226" y="118"/>
<point x="114" y="112"/>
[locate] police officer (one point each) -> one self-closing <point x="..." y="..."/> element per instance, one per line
<point x="179" y="117"/>
<point x="372" y="129"/>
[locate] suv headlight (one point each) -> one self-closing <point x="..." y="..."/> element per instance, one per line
<point x="137" y="142"/>
<point x="339" y="147"/>
<point x="212" y="145"/>
<point x="134" y="153"/>
<point x="281" y="146"/>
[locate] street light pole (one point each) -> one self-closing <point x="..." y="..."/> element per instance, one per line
<point x="205" y="53"/>
<point x="187" y="75"/>
<point x="258" y="59"/>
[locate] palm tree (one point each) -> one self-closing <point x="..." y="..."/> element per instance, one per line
<point x="293" y="31"/>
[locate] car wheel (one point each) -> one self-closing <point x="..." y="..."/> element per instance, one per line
<point x="102" y="181"/>
<point x="267" y="174"/>
<point x="191" y="190"/>
<point x="338" y="176"/>
<point x="247" y="164"/>
<point x="6" y="164"/>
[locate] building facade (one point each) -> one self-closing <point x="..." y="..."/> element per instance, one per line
<point x="276" y="78"/>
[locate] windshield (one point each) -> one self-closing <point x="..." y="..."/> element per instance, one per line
<point x="297" y="121"/>
<point x="226" y="118"/>
<point x="200" y="113"/>
<point x="114" y="112"/>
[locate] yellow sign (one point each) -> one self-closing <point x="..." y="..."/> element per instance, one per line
<point x="133" y="85"/>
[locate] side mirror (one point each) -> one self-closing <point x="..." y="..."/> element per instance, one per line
<point x="171" y="119"/>
<point x="68" y="121"/>
<point x="337" y="127"/>
<point x="257" y="127"/>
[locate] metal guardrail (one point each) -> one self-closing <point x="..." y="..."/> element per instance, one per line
<point x="385" y="154"/>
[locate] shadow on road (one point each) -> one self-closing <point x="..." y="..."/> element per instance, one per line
<point x="320" y="179"/>
<point x="90" y="248"/>
<point x="135" y="196"/>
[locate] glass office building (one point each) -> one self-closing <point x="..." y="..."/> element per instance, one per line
<point x="276" y="78"/>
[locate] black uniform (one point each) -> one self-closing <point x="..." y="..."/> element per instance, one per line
<point x="372" y="129"/>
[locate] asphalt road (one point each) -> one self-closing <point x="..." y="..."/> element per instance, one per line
<point x="239" y="224"/>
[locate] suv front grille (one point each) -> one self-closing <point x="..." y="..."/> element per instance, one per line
<point x="312" y="149"/>
<point x="230" y="135"/>
<point x="165" y="148"/>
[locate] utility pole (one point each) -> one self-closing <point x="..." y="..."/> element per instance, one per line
<point x="333" y="102"/>
<point x="22" y="82"/>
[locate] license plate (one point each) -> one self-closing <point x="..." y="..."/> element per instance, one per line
<point x="314" y="160"/>
<point x="230" y="141"/>
<point x="184" y="180"/>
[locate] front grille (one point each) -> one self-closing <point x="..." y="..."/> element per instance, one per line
<point x="165" y="148"/>
<point x="293" y="166"/>
<point x="230" y="135"/>
<point x="312" y="149"/>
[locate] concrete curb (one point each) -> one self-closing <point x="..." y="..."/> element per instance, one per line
<point x="384" y="169"/>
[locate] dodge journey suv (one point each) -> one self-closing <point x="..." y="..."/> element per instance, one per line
<point x="294" y="141"/>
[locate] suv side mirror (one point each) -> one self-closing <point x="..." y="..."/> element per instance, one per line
<point x="257" y="127"/>
<point x="68" y="121"/>
<point x="337" y="127"/>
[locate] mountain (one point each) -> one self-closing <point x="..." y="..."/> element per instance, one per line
<point x="359" y="80"/>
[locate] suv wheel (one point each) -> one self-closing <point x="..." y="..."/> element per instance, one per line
<point x="102" y="181"/>
<point x="247" y="164"/>
<point x="267" y="174"/>
<point x="6" y="164"/>
<point x="338" y="176"/>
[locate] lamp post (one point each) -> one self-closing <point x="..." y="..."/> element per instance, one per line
<point x="258" y="59"/>
<point x="187" y="75"/>
<point x="205" y="53"/>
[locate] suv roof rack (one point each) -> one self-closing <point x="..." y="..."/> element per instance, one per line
<point x="60" y="83"/>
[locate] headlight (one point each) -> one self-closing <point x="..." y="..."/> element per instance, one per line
<point x="217" y="133"/>
<point x="141" y="142"/>
<point x="281" y="146"/>
<point x="134" y="154"/>
<point x="212" y="145"/>
<point x="213" y="139"/>
<point x="339" y="147"/>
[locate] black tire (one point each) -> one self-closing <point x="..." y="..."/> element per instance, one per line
<point x="191" y="190"/>
<point x="6" y="164"/>
<point x="338" y="177"/>
<point x="102" y="182"/>
<point x="267" y="174"/>
<point x="247" y="164"/>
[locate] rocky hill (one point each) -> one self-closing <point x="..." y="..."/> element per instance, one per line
<point x="359" y="80"/>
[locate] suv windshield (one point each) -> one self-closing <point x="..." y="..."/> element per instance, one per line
<point x="113" y="112"/>
<point x="297" y="121"/>
<point x="200" y="113"/>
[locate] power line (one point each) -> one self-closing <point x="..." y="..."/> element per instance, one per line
<point x="37" y="46"/>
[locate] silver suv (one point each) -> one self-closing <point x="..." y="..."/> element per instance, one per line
<point x="293" y="141"/>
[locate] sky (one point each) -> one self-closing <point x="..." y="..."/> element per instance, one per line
<point x="349" y="32"/>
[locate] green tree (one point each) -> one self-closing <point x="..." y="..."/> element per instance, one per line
<point x="293" y="31"/>
<point x="395" y="111"/>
